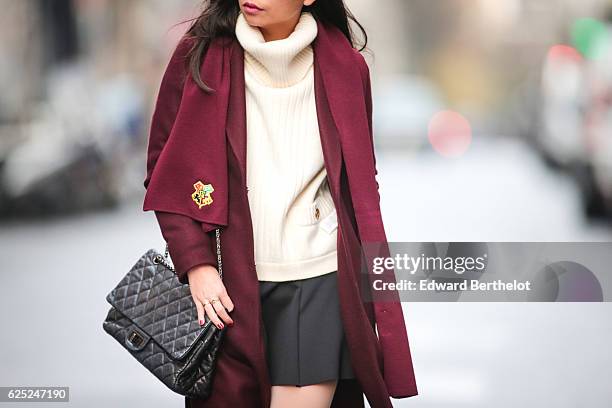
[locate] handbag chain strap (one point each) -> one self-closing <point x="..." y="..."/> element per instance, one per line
<point x="165" y="262"/>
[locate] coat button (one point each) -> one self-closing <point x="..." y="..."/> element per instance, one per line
<point x="317" y="213"/>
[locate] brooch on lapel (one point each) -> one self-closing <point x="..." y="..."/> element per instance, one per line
<point x="201" y="195"/>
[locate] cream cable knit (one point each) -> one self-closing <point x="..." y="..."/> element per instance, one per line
<point x="291" y="206"/>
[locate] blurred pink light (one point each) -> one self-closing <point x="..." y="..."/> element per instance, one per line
<point x="450" y="134"/>
<point x="562" y="52"/>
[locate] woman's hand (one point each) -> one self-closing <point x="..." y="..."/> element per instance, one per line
<point x="209" y="295"/>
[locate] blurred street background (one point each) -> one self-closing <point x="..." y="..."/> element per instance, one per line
<point x="492" y="121"/>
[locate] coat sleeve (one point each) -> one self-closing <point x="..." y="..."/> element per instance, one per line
<point x="188" y="243"/>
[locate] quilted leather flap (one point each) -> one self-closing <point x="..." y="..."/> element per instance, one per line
<point x="151" y="296"/>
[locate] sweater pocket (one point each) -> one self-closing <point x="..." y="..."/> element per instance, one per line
<point x="321" y="210"/>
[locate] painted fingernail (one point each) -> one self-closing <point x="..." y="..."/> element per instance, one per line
<point x="220" y="325"/>
<point x="230" y="324"/>
<point x="201" y="322"/>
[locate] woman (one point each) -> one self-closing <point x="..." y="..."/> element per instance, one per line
<point x="262" y="127"/>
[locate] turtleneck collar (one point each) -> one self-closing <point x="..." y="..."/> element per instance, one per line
<point x="278" y="63"/>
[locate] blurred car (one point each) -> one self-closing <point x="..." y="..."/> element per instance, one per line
<point x="598" y="117"/>
<point x="575" y="129"/>
<point x="73" y="154"/>
<point x="562" y="99"/>
<point x="46" y="173"/>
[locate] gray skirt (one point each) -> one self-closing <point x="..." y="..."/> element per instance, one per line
<point x="303" y="333"/>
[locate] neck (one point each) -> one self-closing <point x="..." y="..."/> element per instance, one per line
<point x="279" y="31"/>
<point x="279" y="62"/>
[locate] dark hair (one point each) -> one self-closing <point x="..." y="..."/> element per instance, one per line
<point x="218" y="18"/>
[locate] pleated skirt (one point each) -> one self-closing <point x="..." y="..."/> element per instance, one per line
<point x="303" y="333"/>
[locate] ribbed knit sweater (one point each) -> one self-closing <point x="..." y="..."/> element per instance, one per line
<point x="291" y="205"/>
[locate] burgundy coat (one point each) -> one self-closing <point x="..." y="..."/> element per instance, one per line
<point x="197" y="136"/>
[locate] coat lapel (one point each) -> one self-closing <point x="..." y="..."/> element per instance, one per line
<point x="328" y="132"/>
<point x="342" y="84"/>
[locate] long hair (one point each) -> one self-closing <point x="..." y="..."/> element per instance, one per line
<point x="218" y="19"/>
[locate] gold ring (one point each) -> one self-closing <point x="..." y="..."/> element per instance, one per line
<point x="214" y="300"/>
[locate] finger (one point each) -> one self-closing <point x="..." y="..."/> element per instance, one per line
<point x="200" y="309"/>
<point x="227" y="302"/>
<point x="222" y="313"/>
<point x="210" y="311"/>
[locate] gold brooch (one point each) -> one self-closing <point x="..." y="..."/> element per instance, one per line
<point x="201" y="195"/>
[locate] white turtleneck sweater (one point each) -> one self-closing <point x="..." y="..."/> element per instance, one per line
<point x="291" y="205"/>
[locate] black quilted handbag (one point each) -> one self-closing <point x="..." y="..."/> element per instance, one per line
<point x="153" y="316"/>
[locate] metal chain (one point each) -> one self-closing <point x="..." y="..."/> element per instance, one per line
<point x="219" y="265"/>
<point x="164" y="260"/>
